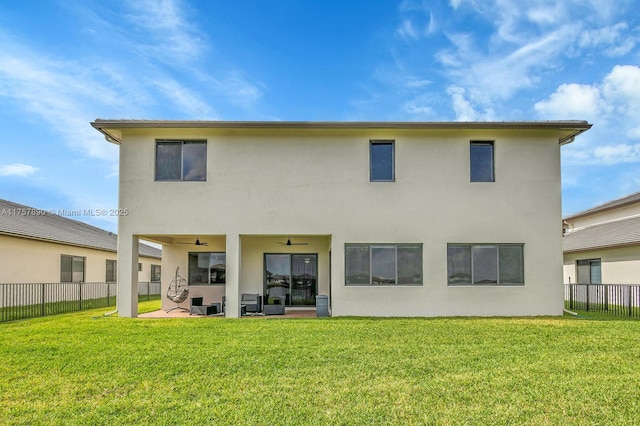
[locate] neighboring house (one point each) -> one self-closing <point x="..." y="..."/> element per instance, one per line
<point x="602" y="244"/>
<point x="396" y="218"/>
<point x="37" y="246"/>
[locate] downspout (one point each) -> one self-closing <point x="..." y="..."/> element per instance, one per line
<point x="115" y="311"/>
<point x="108" y="314"/>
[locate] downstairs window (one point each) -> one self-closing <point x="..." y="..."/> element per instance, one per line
<point x="383" y="264"/>
<point x="485" y="264"/>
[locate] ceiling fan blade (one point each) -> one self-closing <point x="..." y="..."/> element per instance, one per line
<point x="197" y="243"/>
<point x="289" y="243"/>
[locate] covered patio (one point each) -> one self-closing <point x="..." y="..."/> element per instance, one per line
<point x="290" y="270"/>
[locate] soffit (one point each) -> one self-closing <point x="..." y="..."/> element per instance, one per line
<point x="565" y="129"/>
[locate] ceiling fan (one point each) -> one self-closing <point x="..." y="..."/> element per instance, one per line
<point x="289" y="243"/>
<point x="197" y="243"/>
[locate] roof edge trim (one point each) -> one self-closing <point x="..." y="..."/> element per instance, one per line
<point x="575" y="127"/>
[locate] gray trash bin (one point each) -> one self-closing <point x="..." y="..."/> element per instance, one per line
<point x="322" y="305"/>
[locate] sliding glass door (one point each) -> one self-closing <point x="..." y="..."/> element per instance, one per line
<point x="292" y="276"/>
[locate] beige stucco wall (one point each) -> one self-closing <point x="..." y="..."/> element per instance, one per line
<point x="316" y="183"/>
<point x="619" y="265"/>
<point x="26" y="260"/>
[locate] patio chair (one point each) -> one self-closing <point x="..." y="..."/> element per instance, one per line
<point x="197" y="307"/>
<point x="274" y="306"/>
<point x="253" y="302"/>
<point x="177" y="291"/>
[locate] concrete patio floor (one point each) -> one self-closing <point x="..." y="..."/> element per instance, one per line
<point x="179" y="313"/>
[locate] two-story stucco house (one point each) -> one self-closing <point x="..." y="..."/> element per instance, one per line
<point x="386" y="218"/>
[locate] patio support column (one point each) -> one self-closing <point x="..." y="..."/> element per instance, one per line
<point x="232" y="286"/>
<point x="127" y="302"/>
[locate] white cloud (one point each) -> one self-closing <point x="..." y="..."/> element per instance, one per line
<point x="572" y="101"/>
<point x="171" y="36"/>
<point x="612" y="40"/>
<point x="412" y="82"/>
<point x="616" y="154"/>
<point x="239" y="90"/>
<point x="528" y="42"/>
<point x="18" y="169"/>
<point x="618" y="94"/>
<point x="57" y="92"/>
<point x="502" y="77"/>
<point x="433" y="26"/>
<point x="419" y="107"/>
<point x="622" y="88"/>
<point x="417" y="20"/>
<point x="407" y="30"/>
<point x="185" y="99"/>
<point x="612" y="106"/>
<point x="634" y="133"/>
<point x="546" y="14"/>
<point x="464" y="110"/>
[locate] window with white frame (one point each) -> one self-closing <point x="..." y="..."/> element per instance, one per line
<point x="381" y="161"/>
<point x="112" y="271"/>
<point x="178" y="160"/>
<point x="207" y="268"/>
<point x="156" y="273"/>
<point x="383" y="264"/>
<point x="485" y="264"/>
<point x="72" y="269"/>
<point x="589" y="271"/>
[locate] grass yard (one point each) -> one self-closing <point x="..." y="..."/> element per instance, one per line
<point x="89" y="370"/>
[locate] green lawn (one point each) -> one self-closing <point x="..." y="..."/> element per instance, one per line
<point x="87" y="369"/>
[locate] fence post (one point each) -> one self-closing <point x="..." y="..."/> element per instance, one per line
<point x="606" y="298"/>
<point x="629" y="300"/>
<point x="587" y="286"/>
<point x="80" y="294"/>
<point x="42" y="308"/>
<point x="570" y="296"/>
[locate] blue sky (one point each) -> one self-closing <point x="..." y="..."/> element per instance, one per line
<point x="65" y="63"/>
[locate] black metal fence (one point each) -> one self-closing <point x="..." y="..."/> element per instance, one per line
<point x="613" y="299"/>
<point x="30" y="300"/>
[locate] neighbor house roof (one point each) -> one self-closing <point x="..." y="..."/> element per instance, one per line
<point x="609" y="205"/>
<point x="619" y="233"/>
<point x="27" y="222"/>
<point x="566" y="129"/>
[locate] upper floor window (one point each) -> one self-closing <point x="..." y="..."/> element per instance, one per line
<point x="481" y="164"/>
<point x="383" y="264"/>
<point x="381" y="159"/>
<point x="181" y="160"/>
